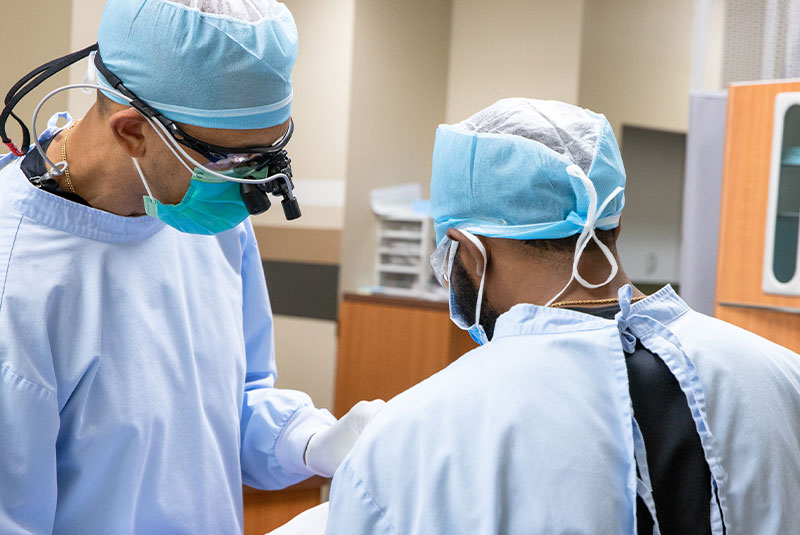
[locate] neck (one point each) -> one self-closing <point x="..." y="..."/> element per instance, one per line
<point x="524" y="280"/>
<point x="577" y="292"/>
<point x="100" y="171"/>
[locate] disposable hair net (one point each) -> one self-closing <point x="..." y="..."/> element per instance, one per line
<point x="525" y="169"/>
<point x="211" y="63"/>
<point x="242" y="10"/>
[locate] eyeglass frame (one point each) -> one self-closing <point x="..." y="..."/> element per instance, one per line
<point x="210" y="151"/>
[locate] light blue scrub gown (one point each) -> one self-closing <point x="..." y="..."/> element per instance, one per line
<point x="136" y="373"/>
<point x="533" y="433"/>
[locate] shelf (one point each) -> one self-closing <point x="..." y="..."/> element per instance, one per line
<point x="387" y="268"/>
<point x="401" y="251"/>
<point x="789" y="215"/>
<point x="405" y="234"/>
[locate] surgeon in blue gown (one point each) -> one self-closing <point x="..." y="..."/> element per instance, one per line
<point x="137" y="365"/>
<point x="589" y="408"/>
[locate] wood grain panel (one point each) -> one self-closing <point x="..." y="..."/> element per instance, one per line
<point x="302" y="245"/>
<point x="779" y="327"/>
<point x="748" y="146"/>
<point x="265" y="510"/>
<point x="385" y="349"/>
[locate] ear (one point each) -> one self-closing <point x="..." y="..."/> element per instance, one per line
<point x="471" y="257"/>
<point x="128" y="127"/>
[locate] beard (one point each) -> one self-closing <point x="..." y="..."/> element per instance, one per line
<point x="465" y="294"/>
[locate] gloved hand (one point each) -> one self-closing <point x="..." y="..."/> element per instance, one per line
<point x="327" y="449"/>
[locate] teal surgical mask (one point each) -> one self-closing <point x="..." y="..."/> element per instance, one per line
<point x="211" y="205"/>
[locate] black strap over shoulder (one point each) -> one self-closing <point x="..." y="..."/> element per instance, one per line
<point x="24" y="86"/>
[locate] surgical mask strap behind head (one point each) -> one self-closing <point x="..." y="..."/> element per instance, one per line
<point x="588" y="233"/>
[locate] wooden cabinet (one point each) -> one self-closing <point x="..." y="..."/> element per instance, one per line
<point x="265" y="510"/>
<point x="389" y="344"/>
<point x="740" y="298"/>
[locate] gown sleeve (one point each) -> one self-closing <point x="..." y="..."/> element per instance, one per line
<point x="28" y="431"/>
<point x="29" y="411"/>
<point x="276" y="424"/>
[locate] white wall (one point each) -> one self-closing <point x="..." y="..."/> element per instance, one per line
<point x="321" y="111"/>
<point x="321" y="80"/>
<point x="400" y="59"/>
<point x="85" y="20"/>
<point x="305" y="352"/>
<point x="635" y="62"/>
<point x="512" y="48"/>
<point x="30" y="35"/>
<point x="708" y="36"/>
<point x="649" y="242"/>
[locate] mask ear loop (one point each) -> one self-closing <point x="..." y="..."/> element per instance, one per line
<point x="471" y="237"/>
<point x="588" y="233"/>
<point x="141" y="174"/>
<point x="451" y="256"/>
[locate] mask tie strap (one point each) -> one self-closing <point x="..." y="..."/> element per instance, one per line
<point x="588" y="233"/>
<point x="623" y="319"/>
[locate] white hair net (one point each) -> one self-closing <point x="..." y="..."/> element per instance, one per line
<point x="244" y="10"/>
<point x="563" y="128"/>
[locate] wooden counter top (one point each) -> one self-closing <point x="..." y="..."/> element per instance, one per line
<point x="396" y="300"/>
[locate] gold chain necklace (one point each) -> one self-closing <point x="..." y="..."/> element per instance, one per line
<point x="64" y="156"/>
<point x="579" y="302"/>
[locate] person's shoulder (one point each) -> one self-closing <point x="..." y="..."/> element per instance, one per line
<point x="717" y="345"/>
<point x="9" y="171"/>
<point x="418" y="414"/>
<point x="10" y="218"/>
<point x="718" y="332"/>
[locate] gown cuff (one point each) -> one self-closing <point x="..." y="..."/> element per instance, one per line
<point x="291" y="445"/>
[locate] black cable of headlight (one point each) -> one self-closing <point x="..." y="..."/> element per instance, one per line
<point x="24" y="86"/>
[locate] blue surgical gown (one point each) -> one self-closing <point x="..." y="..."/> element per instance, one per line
<point x="533" y="433"/>
<point x="136" y="373"/>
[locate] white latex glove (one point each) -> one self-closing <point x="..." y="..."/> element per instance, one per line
<point x="327" y="449"/>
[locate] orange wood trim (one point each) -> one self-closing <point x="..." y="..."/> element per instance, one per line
<point x="396" y="301"/>
<point x="748" y="147"/>
<point x="779" y="327"/>
<point x="267" y="510"/>
<point x="386" y="347"/>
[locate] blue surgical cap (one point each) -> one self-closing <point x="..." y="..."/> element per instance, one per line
<point x="502" y="173"/>
<point x="211" y="63"/>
